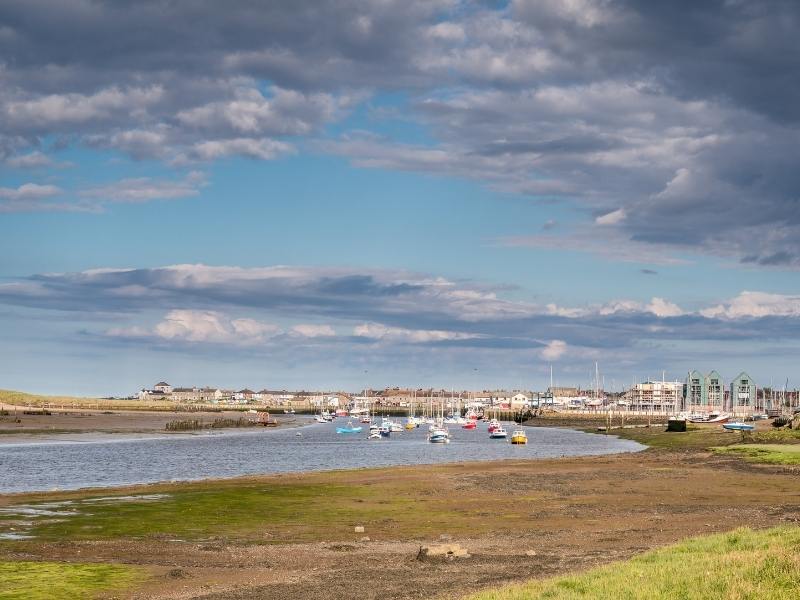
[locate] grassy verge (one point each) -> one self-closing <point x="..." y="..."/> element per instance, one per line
<point x="774" y="454"/>
<point x="742" y="564"/>
<point x="46" y="580"/>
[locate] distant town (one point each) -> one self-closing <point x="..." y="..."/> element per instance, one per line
<point x="698" y="393"/>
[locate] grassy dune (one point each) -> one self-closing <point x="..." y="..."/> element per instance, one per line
<point x="47" y="580"/>
<point x="743" y="564"/>
<point x="24" y="399"/>
<point x="775" y="454"/>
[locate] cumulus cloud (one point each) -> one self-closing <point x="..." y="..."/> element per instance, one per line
<point x="202" y="326"/>
<point x="755" y="305"/>
<point x="554" y="350"/>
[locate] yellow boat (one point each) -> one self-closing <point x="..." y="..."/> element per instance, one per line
<point x="519" y="437"/>
<point x="410" y="426"/>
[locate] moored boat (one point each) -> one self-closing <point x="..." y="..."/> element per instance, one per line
<point x="519" y="437"/>
<point x="439" y="435"/>
<point x="470" y="425"/>
<point x="498" y="432"/>
<point x="738" y="426"/>
<point x="350" y="428"/>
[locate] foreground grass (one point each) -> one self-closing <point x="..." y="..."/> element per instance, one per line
<point x="743" y="564"/>
<point x="774" y="454"/>
<point x="47" y="580"/>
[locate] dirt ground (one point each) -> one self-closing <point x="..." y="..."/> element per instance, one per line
<point x="588" y="511"/>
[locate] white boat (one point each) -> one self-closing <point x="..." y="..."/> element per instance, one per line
<point x="439" y="435"/>
<point x="374" y="434"/>
<point x="498" y="432"/>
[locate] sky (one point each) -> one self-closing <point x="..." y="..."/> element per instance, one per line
<point x="341" y="194"/>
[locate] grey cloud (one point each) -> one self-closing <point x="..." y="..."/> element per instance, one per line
<point x="386" y="307"/>
<point x="678" y="113"/>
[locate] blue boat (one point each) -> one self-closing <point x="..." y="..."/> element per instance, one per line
<point x="738" y="426"/>
<point x="348" y="429"/>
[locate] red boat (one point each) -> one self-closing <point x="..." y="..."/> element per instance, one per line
<point x="470" y="425"/>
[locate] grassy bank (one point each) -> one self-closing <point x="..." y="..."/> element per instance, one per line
<point x="741" y="564"/>
<point x="46" y="580"/>
<point x="774" y="454"/>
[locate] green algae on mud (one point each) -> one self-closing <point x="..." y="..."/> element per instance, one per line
<point x="318" y="506"/>
<point x="773" y="454"/>
<point x="28" y="580"/>
<point x="736" y="565"/>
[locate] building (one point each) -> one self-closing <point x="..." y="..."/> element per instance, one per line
<point x="743" y="397"/>
<point x="163" y="387"/>
<point x="656" y="396"/>
<point x="703" y="393"/>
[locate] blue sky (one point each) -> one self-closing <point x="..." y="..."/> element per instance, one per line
<point x="404" y="194"/>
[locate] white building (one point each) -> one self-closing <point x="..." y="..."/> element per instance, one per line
<point x="656" y="395"/>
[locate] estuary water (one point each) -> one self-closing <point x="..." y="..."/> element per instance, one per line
<point x="89" y="460"/>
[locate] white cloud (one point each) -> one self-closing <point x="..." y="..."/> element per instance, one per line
<point x="312" y="331"/>
<point x="146" y="189"/>
<point x="378" y="331"/>
<point x="554" y="350"/>
<point x="263" y="149"/>
<point x="31" y="160"/>
<point x="203" y="326"/>
<point x="613" y="218"/>
<point x="663" y="308"/>
<point x="29" y="191"/>
<point x="755" y="304"/>
<point x="56" y="110"/>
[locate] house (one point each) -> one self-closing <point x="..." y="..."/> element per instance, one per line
<point x="244" y="396"/>
<point x="163" y="387"/>
<point x="520" y="401"/>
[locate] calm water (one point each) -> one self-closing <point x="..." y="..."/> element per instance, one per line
<point x="101" y="461"/>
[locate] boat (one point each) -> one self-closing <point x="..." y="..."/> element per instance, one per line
<point x="439" y="435"/>
<point x="320" y="419"/>
<point x="349" y="428"/>
<point x="365" y="419"/>
<point x="738" y="426"/>
<point x="470" y="425"/>
<point x="709" y="418"/>
<point x="374" y="434"/>
<point x="498" y="433"/>
<point x="384" y="431"/>
<point x="410" y="424"/>
<point x="493" y="424"/>
<point x="519" y="437"/>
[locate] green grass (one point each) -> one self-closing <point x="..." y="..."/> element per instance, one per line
<point x="741" y="565"/>
<point x="48" y="580"/>
<point x="271" y="512"/>
<point x="775" y="454"/>
<point x="694" y="438"/>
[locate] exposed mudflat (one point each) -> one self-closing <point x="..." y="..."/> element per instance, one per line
<point x="569" y="514"/>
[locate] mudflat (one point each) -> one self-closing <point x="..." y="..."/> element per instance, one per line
<point x="20" y="420"/>
<point x="295" y="535"/>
